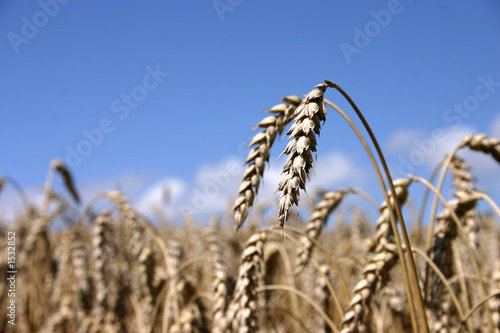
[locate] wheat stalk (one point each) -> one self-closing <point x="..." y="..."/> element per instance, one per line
<point x="259" y="155"/>
<point x="302" y="141"/>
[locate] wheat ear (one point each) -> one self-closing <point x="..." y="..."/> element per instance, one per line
<point x="383" y="259"/>
<point x="3" y="181"/>
<point x="220" y="284"/>
<point x="302" y="141"/>
<point x="321" y="296"/>
<point x="141" y="256"/>
<point x="322" y="211"/>
<point x="446" y="230"/>
<point x="62" y="169"/>
<point x="103" y="255"/>
<point x="495" y="302"/>
<point x="481" y="143"/>
<point x="442" y="253"/>
<point x="259" y="155"/>
<point x="464" y="180"/>
<point x="241" y="315"/>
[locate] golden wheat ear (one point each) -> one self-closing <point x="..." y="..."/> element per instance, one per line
<point x="481" y="143"/>
<point x="259" y="155"/>
<point x="383" y="258"/>
<point x="59" y="166"/>
<point x="2" y="183"/>
<point x="322" y="210"/>
<point x="308" y="117"/>
<point x="241" y="314"/>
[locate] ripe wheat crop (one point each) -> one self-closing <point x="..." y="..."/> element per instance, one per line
<point x="114" y="270"/>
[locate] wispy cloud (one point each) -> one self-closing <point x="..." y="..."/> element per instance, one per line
<point x="214" y="188"/>
<point x="495" y="126"/>
<point x="418" y="153"/>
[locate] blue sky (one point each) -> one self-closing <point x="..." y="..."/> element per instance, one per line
<point x="142" y="95"/>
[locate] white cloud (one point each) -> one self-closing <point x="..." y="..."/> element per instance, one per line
<point x="419" y="148"/>
<point x="208" y="192"/>
<point x="129" y="184"/>
<point x="168" y="191"/>
<point x="11" y="201"/>
<point x="422" y="149"/>
<point x="403" y="138"/>
<point x="495" y="127"/>
<point x="214" y="188"/>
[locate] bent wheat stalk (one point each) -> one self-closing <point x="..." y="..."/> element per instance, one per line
<point x="417" y="310"/>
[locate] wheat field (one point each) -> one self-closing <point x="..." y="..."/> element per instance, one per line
<point x="114" y="270"/>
